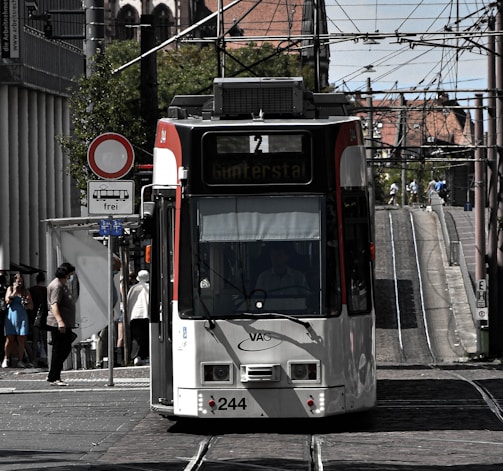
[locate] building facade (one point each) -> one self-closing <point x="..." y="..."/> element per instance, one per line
<point x="43" y="50"/>
<point x="36" y="77"/>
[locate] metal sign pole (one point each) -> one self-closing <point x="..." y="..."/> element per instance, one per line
<point x="110" y="307"/>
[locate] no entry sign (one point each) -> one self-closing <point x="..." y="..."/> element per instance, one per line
<point x="110" y="156"/>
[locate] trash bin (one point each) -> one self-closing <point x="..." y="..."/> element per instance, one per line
<point x="468" y="207"/>
<point x="484" y="339"/>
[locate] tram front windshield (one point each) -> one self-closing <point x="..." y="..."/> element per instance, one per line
<point x="257" y="255"/>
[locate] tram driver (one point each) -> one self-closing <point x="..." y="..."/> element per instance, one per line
<point x="281" y="279"/>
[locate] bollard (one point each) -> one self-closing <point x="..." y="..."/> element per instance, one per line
<point x="118" y="356"/>
<point x="86" y="357"/>
<point x="68" y="363"/>
<point x="77" y="364"/>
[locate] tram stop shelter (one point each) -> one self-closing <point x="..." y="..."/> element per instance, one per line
<point x="78" y="241"/>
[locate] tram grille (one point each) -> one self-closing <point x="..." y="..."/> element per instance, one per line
<point x="250" y="373"/>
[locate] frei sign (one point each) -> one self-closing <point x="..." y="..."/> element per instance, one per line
<point x="110" y="156"/>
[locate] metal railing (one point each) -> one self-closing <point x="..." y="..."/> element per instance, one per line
<point x="52" y="66"/>
<point x="454" y="250"/>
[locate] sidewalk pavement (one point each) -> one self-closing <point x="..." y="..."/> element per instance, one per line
<point x="30" y="379"/>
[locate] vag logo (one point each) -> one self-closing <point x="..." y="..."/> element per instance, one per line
<point x="258" y="341"/>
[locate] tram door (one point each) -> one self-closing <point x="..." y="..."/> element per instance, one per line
<point x="161" y="302"/>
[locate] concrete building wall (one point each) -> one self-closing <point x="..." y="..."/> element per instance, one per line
<point x="34" y="184"/>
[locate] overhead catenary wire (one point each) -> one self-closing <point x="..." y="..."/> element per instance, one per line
<point x="465" y="32"/>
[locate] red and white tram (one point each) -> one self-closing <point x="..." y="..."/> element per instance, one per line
<point x="261" y="262"/>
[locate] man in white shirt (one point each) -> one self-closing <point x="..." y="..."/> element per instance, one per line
<point x="138" y="315"/>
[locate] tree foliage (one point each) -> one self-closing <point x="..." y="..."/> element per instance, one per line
<point x="104" y="102"/>
<point x="110" y="102"/>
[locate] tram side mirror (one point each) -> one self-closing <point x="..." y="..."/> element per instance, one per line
<point x="147" y="219"/>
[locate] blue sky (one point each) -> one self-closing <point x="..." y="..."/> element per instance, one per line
<point x="443" y="61"/>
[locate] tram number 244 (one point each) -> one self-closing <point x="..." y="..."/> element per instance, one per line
<point x="224" y="403"/>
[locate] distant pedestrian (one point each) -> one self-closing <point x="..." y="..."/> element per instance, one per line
<point x="442" y="190"/>
<point x="17" y="328"/>
<point x="138" y="316"/>
<point x="430" y="189"/>
<point x="102" y="344"/>
<point x="413" y="188"/>
<point x="60" y="321"/>
<point x="39" y="333"/>
<point x="393" y="193"/>
<point x="120" y="321"/>
<point x="3" y="311"/>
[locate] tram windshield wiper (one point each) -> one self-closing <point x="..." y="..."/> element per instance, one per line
<point x="306" y="324"/>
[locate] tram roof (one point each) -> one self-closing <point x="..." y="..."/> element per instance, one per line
<point x="266" y="97"/>
<point x="196" y="121"/>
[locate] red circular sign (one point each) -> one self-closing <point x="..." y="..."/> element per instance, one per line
<point x="110" y="156"/>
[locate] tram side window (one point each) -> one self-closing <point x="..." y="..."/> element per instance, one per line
<point x="357" y="251"/>
<point x="186" y="253"/>
<point x="333" y="291"/>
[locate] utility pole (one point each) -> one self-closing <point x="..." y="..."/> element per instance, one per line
<point x="480" y="236"/>
<point x="148" y="78"/>
<point x="496" y="326"/>
<point x="403" y="145"/>
<point x="221" y="39"/>
<point x="316" y="47"/>
<point x="370" y="151"/>
<point x="95" y="31"/>
<point x="492" y="186"/>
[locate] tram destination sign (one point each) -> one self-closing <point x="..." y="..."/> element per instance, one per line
<point x="112" y="198"/>
<point x="257" y="159"/>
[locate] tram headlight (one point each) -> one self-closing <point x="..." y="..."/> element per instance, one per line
<point x="221" y="373"/>
<point x="305" y="371"/>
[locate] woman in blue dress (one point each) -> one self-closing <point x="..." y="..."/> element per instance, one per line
<point x="18" y="300"/>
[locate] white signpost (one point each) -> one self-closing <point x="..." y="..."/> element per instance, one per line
<point x="110" y="198"/>
<point x="110" y="156"/>
<point x="482" y="309"/>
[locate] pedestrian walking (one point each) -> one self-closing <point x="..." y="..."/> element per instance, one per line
<point x="138" y="316"/>
<point x="413" y="188"/>
<point x="60" y="321"/>
<point x="430" y="189"/>
<point x="119" y="346"/>
<point x="18" y="300"/>
<point x="393" y="193"/>
<point x="102" y="344"/>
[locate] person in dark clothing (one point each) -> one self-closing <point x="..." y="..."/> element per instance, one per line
<point x="60" y="321"/>
<point x="3" y="311"/>
<point x="39" y="335"/>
